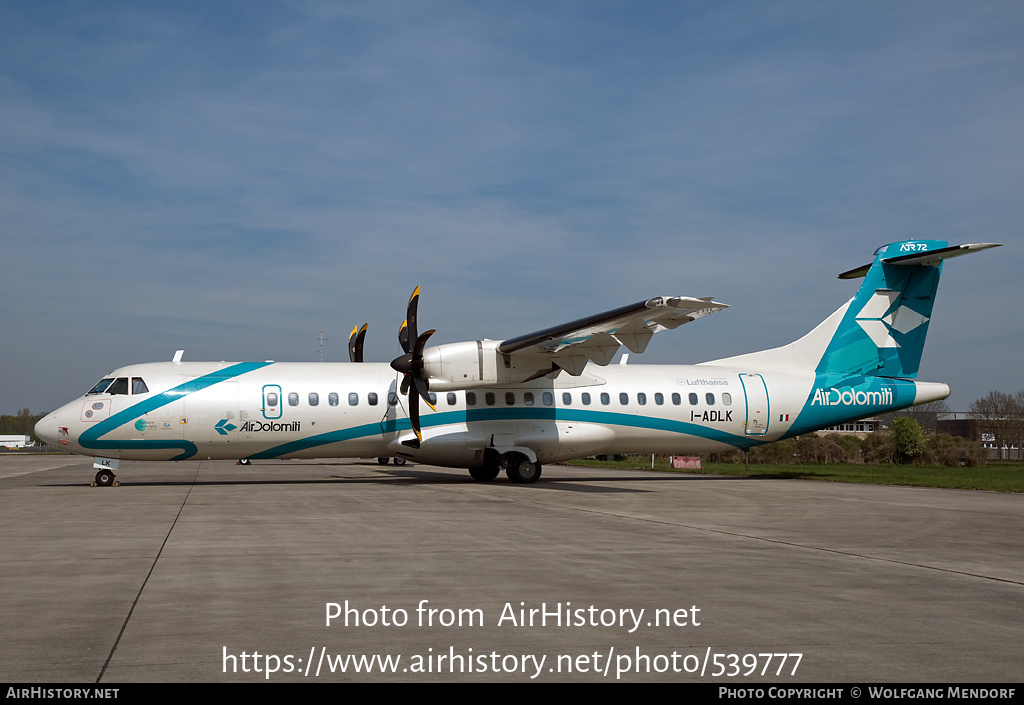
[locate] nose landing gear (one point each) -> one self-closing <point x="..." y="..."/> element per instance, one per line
<point x="105" y="478"/>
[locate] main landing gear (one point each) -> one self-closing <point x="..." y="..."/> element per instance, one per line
<point x="105" y="478"/>
<point x="384" y="461"/>
<point x="518" y="468"/>
<point x="522" y="470"/>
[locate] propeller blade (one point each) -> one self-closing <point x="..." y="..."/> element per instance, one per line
<point x="417" y="353"/>
<point x="410" y="317"/>
<point x="414" y="419"/>
<point x="355" y="343"/>
<point x="423" y="391"/>
<point x="414" y="384"/>
<point x="403" y="336"/>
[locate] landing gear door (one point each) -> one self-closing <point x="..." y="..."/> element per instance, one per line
<point x="757" y="404"/>
<point x="271" y="401"/>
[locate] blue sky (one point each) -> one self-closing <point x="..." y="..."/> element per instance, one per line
<point x="232" y="178"/>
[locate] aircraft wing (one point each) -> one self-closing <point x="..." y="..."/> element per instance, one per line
<point x="597" y="338"/>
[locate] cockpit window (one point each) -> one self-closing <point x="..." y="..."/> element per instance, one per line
<point x="120" y="386"/>
<point x="101" y="386"/>
<point x="139" y="386"/>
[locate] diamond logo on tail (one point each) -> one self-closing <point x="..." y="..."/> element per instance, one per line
<point x="879" y="327"/>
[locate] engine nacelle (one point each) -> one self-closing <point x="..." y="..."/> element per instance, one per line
<point x="477" y="363"/>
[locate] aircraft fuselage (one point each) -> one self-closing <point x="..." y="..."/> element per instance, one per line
<point x="314" y="410"/>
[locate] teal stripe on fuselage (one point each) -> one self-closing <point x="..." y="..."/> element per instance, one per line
<point x="90" y="438"/>
<point x="446" y="418"/>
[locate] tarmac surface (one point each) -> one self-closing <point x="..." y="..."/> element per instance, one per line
<point x="188" y="570"/>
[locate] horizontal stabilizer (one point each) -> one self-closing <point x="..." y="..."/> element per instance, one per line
<point x="931" y="258"/>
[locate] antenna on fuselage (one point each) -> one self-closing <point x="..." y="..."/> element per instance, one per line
<point x="177" y="355"/>
<point x="320" y="350"/>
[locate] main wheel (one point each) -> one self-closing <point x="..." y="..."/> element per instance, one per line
<point x="521" y="470"/>
<point x="104" y="478"/>
<point x="484" y="473"/>
<point x="399" y="461"/>
<point x="383" y="461"/>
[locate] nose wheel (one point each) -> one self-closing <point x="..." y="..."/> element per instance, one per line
<point x="105" y="478"/>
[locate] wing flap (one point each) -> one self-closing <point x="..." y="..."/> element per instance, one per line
<point x="597" y="338"/>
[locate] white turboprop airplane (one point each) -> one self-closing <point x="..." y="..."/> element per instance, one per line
<point x="540" y="398"/>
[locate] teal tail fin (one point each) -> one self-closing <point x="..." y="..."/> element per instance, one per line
<point x="880" y="332"/>
<point x="865" y="357"/>
<point x="883" y="329"/>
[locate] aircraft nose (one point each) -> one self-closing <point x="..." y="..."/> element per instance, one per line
<point x="46" y="429"/>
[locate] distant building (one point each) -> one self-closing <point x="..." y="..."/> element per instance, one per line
<point x="859" y="428"/>
<point x="952" y="423"/>
<point x="15" y="441"/>
<point x="962" y="423"/>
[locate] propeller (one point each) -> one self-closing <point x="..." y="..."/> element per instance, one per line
<point x="414" y="383"/>
<point x="355" y="343"/>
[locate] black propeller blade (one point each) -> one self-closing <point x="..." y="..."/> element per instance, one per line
<point x="408" y="330"/>
<point x="355" y="343"/>
<point x="411" y="366"/>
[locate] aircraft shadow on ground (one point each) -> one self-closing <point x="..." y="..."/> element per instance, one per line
<point x="411" y="475"/>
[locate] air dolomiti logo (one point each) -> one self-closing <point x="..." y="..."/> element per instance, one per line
<point x="258" y="426"/>
<point x="850" y="397"/>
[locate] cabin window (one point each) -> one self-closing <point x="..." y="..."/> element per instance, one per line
<point x="641" y="398"/>
<point x="623" y="398"/>
<point x="101" y="386"/>
<point x="676" y="399"/>
<point x="489" y="398"/>
<point x="392" y="399"/>
<point x="332" y="398"/>
<point x="353" y="398"/>
<point x="528" y="398"/>
<point x="659" y="398"/>
<point x="139" y="386"/>
<point x="120" y="386"/>
<point x="548" y="398"/>
<point x="293" y="398"/>
<point x="271" y="398"/>
<point x="726" y="398"/>
<point x="586" y="398"/>
<point x="451" y="398"/>
<point x="605" y="399"/>
<point x="709" y="398"/>
<point x="510" y="398"/>
<point x="432" y="397"/>
<point x="693" y="399"/>
<point x="371" y="398"/>
<point x="470" y="398"/>
<point x="314" y="398"/>
<point x="566" y="398"/>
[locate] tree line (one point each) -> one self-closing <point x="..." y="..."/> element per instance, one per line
<point x="905" y="442"/>
<point x="1001" y="416"/>
<point x="21" y="424"/>
<point x="908" y="436"/>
